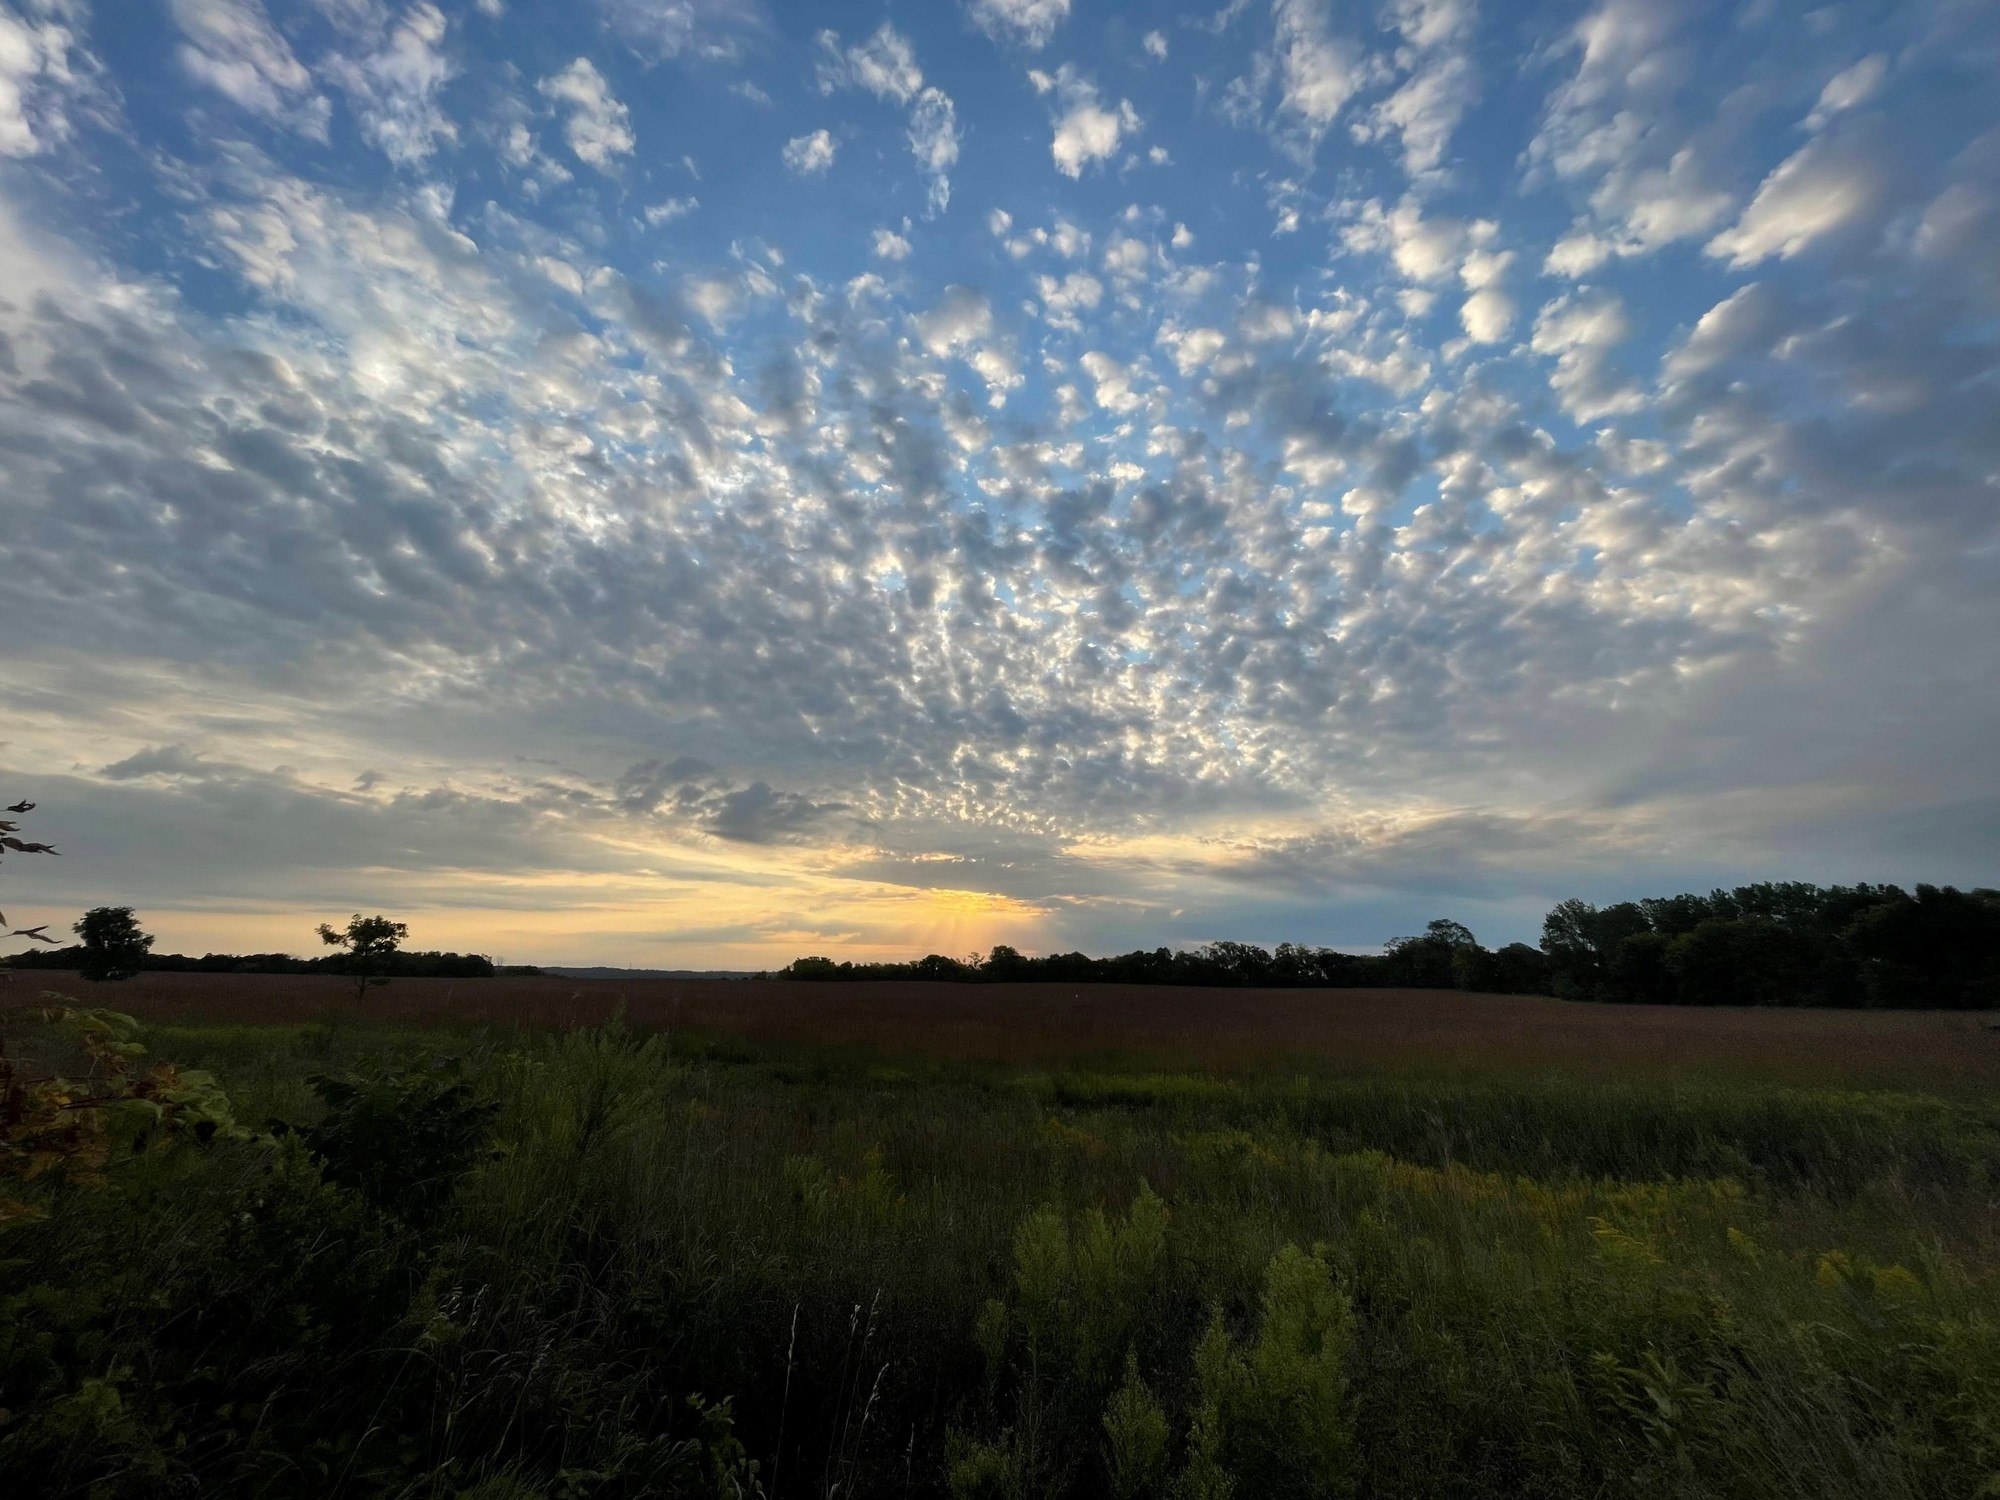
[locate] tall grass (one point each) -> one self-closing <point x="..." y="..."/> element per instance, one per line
<point x="685" y="1275"/>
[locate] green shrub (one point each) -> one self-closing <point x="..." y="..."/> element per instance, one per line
<point x="1136" y="1437"/>
<point x="402" y="1139"/>
<point x="1272" y="1418"/>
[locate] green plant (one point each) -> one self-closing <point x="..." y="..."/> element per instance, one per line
<point x="1136" y="1437"/>
<point x="60" y="1127"/>
<point x="401" y="1139"/>
<point x="1273" y="1417"/>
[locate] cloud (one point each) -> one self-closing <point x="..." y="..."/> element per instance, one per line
<point x="1812" y="193"/>
<point x="567" y="579"/>
<point x="1318" y="73"/>
<point x="395" y="89"/>
<point x="689" y="791"/>
<point x="709" y="30"/>
<point x="1086" y="130"/>
<point x="1422" y="249"/>
<point x="232" y="47"/>
<point x="1616" y="127"/>
<point x="1029" y="22"/>
<point x="1488" y="315"/>
<point x="962" y="324"/>
<point x="886" y="66"/>
<point x="1426" y="107"/>
<point x="1578" y="253"/>
<point x="1064" y="299"/>
<point x="1848" y="89"/>
<point x="1580" y="331"/>
<point x="809" y="155"/>
<point x="174" y="761"/>
<point x="1112" y="382"/>
<point x="1424" y="112"/>
<point x="669" y="209"/>
<point x="934" y="143"/>
<point x="1154" y="44"/>
<point x="756" y="814"/>
<point x="41" y="72"/>
<point x="599" y="127"/>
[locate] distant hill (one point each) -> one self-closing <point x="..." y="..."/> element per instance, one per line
<point x="601" y="972"/>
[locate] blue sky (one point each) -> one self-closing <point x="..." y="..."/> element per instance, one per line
<point x="681" y="481"/>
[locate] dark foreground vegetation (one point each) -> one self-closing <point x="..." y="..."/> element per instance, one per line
<point x="1778" y="943"/>
<point x="347" y="1259"/>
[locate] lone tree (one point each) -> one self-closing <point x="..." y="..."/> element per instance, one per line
<point x="113" y="945"/>
<point x="371" y="944"/>
<point x="10" y="838"/>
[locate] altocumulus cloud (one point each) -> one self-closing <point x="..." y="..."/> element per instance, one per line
<point x="1483" y="469"/>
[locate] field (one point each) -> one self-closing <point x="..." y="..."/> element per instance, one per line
<point x="1228" y="1031"/>
<point x="901" y="1239"/>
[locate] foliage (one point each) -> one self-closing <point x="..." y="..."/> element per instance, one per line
<point x="632" y="1273"/>
<point x="60" y="1129"/>
<point x="113" y="945"/>
<point x="1272" y="1418"/>
<point x="1783" y="943"/>
<point x="401" y="1139"/>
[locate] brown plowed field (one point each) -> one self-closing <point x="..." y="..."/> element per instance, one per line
<point x="1210" y="1029"/>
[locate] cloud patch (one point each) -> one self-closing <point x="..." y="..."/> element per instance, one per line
<point x="597" y="125"/>
<point x="810" y="155"/>
<point x="1087" y="130"/>
<point x="232" y="47"/>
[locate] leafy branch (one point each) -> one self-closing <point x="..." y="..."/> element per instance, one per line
<point x="10" y="838"/>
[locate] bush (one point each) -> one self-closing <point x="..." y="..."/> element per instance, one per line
<point x="402" y="1140"/>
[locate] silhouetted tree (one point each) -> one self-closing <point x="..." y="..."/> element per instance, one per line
<point x="1754" y="960"/>
<point x="1004" y="963"/>
<point x="1940" y="947"/>
<point x="1670" y="916"/>
<point x="1518" y="969"/>
<point x="1580" y="938"/>
<point x="113" y="945"/>
<point x="1637" y="969"/>
<point x="1443" y="957"/>
<point x="370" y="944"/>
<point x="1451" y="934"/>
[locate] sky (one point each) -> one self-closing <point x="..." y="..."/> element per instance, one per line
<point x="696" y="482"/>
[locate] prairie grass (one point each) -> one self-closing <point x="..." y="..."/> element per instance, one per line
<point x="704" y="1270"/>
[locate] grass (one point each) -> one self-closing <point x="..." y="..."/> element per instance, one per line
<point x="703" y="1267"/>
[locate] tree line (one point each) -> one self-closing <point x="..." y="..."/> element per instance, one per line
<point x="1774" y="943"/>
<point x="111" y="945"/>
<point x="411" y="965"/>
<point x="1783" y="943"/>
<point x="1445" y="956"/>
